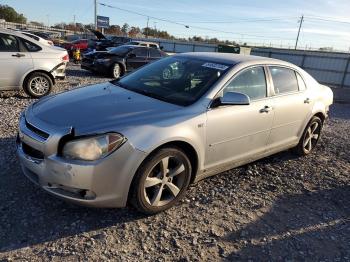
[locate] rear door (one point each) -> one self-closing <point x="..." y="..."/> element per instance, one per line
<point x="292" y="106"/>
<point x="139" y="59"/>
<point x="15" y="62"/>
<point x="154" y="54"/>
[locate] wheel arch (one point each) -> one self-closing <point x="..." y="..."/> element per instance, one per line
<point x="320" y="115"/>
<point x="37" y="71"/>
<point x="186" y="147"/>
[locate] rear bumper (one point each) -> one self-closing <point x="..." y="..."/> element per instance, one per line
<point x="59" y="71"/>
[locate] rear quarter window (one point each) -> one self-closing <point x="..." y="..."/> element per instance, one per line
<point x="301" y="82"/>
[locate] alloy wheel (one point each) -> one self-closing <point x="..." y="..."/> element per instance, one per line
<point x="165" y="181"/>
<point x="116" y="71"/>
<point x="311" y="136"/>
<point x="39" y="85"/>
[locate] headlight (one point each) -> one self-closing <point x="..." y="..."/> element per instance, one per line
<point x="92" y="148"/>
<point x="103" y="60"/>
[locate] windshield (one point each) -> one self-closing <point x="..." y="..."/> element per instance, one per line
<point x="119" y="50"/>
<point x="178" y="80"/>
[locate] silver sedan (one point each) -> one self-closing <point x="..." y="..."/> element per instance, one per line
<point x="144" y="138"/>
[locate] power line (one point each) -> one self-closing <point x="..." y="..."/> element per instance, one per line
<point x="233" y="21"/>
<point x="327" y="20"/>
<point x="187" y="26"/>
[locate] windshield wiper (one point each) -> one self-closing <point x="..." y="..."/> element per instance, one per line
<point x="150" y="94"/>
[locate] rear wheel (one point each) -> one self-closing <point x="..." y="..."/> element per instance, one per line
<point x="310" y="137"/>
<point x="161" y="181"/>
<point x="38" y="85"/>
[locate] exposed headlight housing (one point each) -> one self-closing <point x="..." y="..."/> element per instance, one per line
<point x="92" y="148"/>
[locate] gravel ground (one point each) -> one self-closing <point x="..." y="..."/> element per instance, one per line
<point x="280" y="208"/>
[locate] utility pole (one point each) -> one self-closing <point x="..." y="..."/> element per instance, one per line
<point x="147" y="27"/>
<point x="300" y="25"/>
<point x="95" y="14"/>
<point x="48" y="20"/>
<point x="75" y="25"/>
<point x="155" y="28"/>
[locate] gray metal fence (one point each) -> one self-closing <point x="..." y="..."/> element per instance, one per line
<point x="172" y="46"/>
<point x="329" y="68"/>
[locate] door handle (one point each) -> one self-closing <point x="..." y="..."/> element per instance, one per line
<point x="266" y="109"/>
<point x="307" y="101"/>
<point x="19" y="55"/>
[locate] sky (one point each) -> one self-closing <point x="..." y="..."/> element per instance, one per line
<point x="268" y="22"/>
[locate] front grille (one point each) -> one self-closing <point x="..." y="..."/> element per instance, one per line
<point x="37" y="131"/>
<point x="32" y="152"/>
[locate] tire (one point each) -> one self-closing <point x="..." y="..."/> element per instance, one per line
<point x="154" y="190"/>
<point x="116" y="71"/>
<point x="310" y="137"/>
<point x="38" y="85"/>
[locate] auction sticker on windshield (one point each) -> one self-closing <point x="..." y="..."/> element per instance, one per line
<point x="215" y="66"/>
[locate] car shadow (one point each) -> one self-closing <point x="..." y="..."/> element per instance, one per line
<point x="312" y="224"/>
<point x="29" y="216"/>
<point x="77" y="72"/>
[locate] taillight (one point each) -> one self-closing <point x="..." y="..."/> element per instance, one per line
<point x="65" y="58"/>
<point x="50" y="42"/>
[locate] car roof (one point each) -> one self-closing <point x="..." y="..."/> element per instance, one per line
<point x="16" y="33"/>
<point x="144" y="42"/>
<point x="134" y="46"/>
<point x="233" y="59"/>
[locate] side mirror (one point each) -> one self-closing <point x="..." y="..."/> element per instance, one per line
<point x="234" y="98"/>
<point x="131" y="55"/>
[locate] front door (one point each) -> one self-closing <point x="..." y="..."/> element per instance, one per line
<point x="239" y="132"/>
<point x="139" y="58"/>
<point x="14" y="64"/>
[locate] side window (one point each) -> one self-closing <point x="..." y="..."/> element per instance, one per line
<point x="284" y="80"/>
<point x="8" y="43"/>
<point x="140" y="52"/>
<point x="302" y="85"/>
<point x="153" y="46"/>
<point x="251" y="82"/>
<point x="32" y="36"/>
<point x="154" y="53"/>
<point x="31" y="47"/>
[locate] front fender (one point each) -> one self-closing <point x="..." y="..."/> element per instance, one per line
<point x="147" y="138"/>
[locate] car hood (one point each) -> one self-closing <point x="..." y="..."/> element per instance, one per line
<point x="99" y="107"/>
<point x="98" y="34"/>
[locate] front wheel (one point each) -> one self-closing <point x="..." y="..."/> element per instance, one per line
<point x="310" y="137"/>
<point x="116" y="71"/>
<point x="38" y="85"/>
<point x="161" y="181"/>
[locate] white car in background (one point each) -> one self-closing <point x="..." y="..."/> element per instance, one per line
<point x="38" y="38"/>
<point x="29" y="64"/>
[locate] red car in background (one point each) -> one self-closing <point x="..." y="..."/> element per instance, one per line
<point x="81" y="44"/>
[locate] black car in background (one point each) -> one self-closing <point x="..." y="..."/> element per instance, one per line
<point x="120" y="60"/>
<point x="108" y="41"/>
